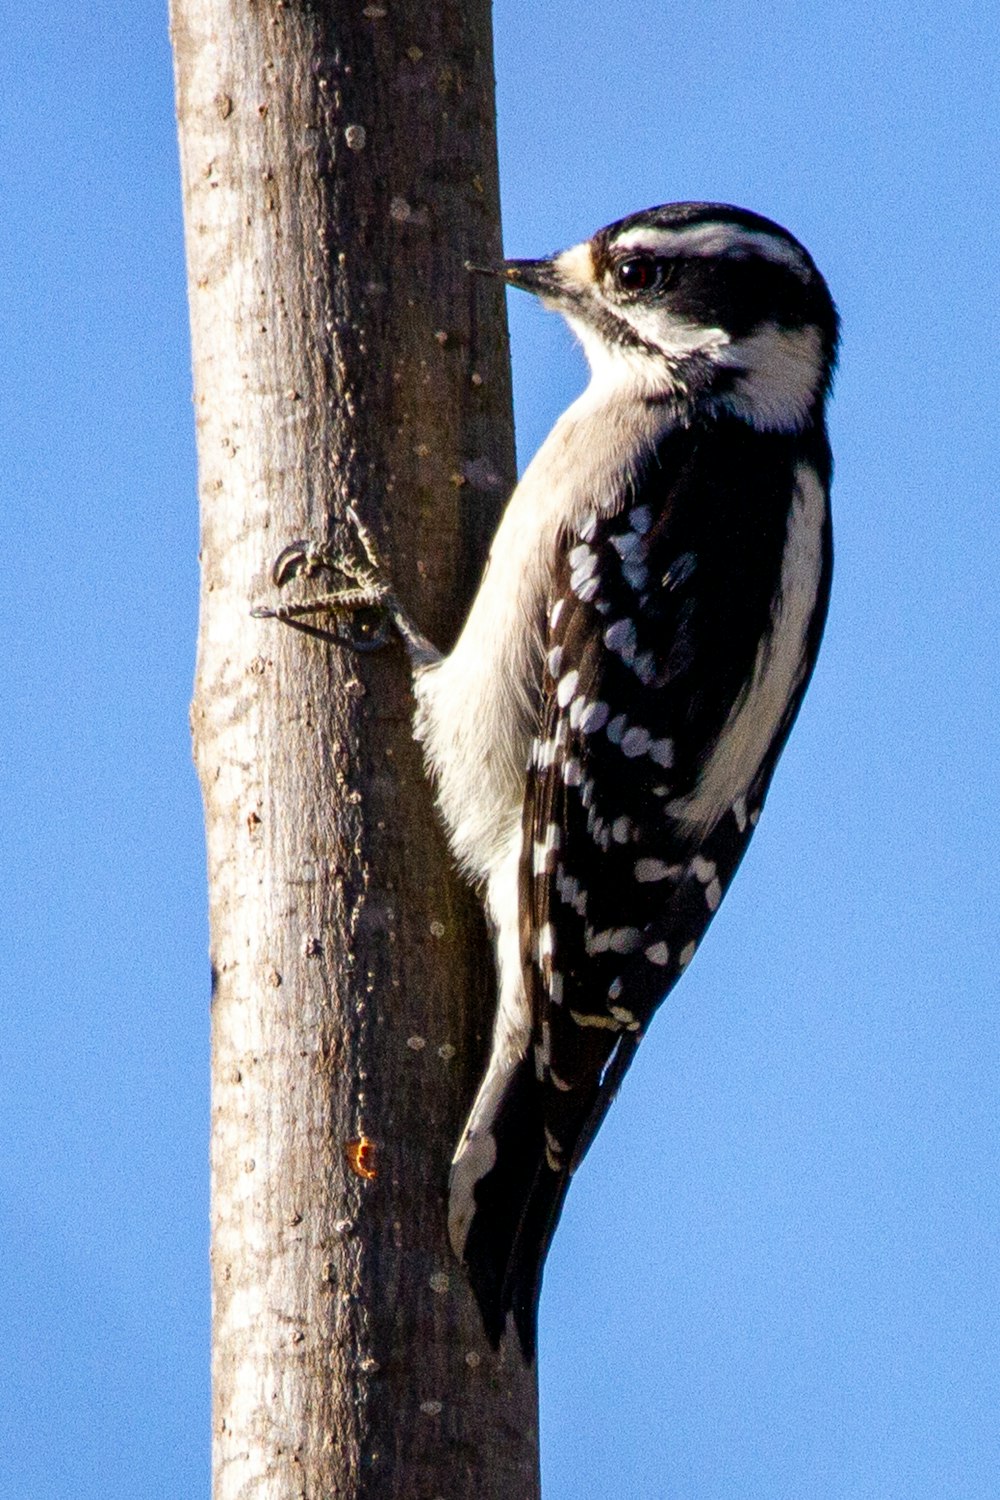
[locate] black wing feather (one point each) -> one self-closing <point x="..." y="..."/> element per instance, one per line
<point x="660" y="607"/>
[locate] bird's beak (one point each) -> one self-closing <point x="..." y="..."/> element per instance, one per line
<point x="538" y="276"/>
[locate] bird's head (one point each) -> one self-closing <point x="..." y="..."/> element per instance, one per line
<point x="701" y="302"/>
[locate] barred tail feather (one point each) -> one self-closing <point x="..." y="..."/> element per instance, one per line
<point x="505" y="1202"/>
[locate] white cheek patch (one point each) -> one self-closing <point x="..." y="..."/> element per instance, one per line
<point x="783" y="368"/>
<point x="716" y="239"/>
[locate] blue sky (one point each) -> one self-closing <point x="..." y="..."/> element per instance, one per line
<point x="777" y="1275"/>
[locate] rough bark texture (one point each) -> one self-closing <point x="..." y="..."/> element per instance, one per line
<point x="339" y="166"/>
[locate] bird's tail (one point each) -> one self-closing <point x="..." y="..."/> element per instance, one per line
<point x="505" y="1201"/>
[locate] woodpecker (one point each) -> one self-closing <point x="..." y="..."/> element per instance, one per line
<point x="603" y="734"/>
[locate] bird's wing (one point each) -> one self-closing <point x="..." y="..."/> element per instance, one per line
<point x="660" y="624"/>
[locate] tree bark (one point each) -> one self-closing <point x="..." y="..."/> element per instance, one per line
<point x="339" y="165"/>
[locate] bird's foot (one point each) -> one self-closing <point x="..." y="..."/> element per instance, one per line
<point x="360" y="611"/>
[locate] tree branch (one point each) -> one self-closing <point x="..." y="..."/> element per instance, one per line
<point x="339" y="168"/>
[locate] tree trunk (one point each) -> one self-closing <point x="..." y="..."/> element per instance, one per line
<point x="339" y="165"/>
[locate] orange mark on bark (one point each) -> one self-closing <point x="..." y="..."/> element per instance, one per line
<point x="361" y="1158"/>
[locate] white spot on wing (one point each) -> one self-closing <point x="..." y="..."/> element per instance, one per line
<point x="620" y="638"/>
<point x="546" y="752"/>
<point x="566" y="688"/>
<point x="635" y="741"/>
<point x="583" y="562"/>
<point x="545" y="848"/>
<point x="644" y="668"/>
<point x="570" y="891"/>
<point x="603" y="1023"/>
<point x="593" y="718"/>
<point x="597" y="942"/>
<point x="636" y="575"/>
<point x="624" y="939"/>
<point x="629" y="545"/>
<point x="686" y="954"/>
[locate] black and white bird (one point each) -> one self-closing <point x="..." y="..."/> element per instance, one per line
<point x="604" y="732"/>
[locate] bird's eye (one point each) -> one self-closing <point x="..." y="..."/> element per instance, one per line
<point x="640" y="273"/>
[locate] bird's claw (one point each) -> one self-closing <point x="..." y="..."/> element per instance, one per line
<point x="367" y="591"/>
<point x="307" y="558"/>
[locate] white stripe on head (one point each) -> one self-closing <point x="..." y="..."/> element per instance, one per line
<point x="715" y="238"/>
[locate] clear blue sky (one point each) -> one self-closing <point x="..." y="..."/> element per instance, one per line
<point x="778" y="1273"/>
